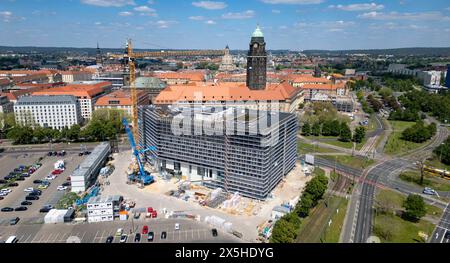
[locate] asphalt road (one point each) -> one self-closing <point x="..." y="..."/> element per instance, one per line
<point x="190" y="232"/>
<point x="442" y="228"/>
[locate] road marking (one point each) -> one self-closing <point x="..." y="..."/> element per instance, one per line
<point x="442" y="239"/>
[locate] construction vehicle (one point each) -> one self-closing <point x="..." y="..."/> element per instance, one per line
<point x="138" y="175"/>
<point x="93" y="192"/>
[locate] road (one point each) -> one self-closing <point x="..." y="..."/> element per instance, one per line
<point x="190" y="232"/>
<point x="442" y="228"/>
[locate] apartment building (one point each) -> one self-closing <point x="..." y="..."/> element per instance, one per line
<point x="54" y="112"/>
<point x="121" y="100"/>
<point x="5" y="105"/>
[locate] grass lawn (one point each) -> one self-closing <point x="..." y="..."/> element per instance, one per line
<point x="400" y="230"/>
<point x="352" y="161"/>
<point x="333" y="232"/>
<point x="395" y="145"/>
<point x="347" y="145"/>
<point x="433" y="182"/>
<point x="303" y="147"/>
<point x="314" y="228"/>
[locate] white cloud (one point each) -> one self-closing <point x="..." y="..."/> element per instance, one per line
<point x="282" y="27"/>
<point x="276" y="11"/>
<point x="125" y="13"/>
<point x="242" y="15"/>
<point x="210" y="22"/>
<point x="198" y="18"/>
<point x="6" y="16"/>
<point x="423" y="16"/>
<point x="144" y="9"/>
<point x="108" y="3"/>
<point x="210" y="5"/>
<point x="294" y="2"/>
<point x="98" y="23"/>
<point x="358" y="7"/>
<point x="165" y="23"/>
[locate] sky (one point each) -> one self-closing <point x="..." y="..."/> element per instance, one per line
<point x="196" y="24"/>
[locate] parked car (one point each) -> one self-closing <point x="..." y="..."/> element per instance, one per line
<point x="163" y="235"/>
<point x="44" y="209"/>
<point x="429" y="191"/>
<point x="26" y="203"/>
<point x="57" y="171"/>
<point x="137" y="238"/>
<point x="42" y="186"/>
<point x="66" y="184"/>
<point x="447" y="234"/>
<point x="6" y="190"/>
<point x="21" y="208"/>
<point x="36" y="192"/>
<point x="214" y="232"/>
<point x="20" y="178"/>
<point x="2" y="181"/>
<point x="37" y="182"/>
<point x="49" y="153"/>
<point x="123" y="238"/>
<point x="150" y="236"/>
<point x="119" y="232"/>
<point x="13" y="184"/>
<point x="25" y="175"/>
<point x="7" y="209"/>
<point x="137" y="215"/>
<point x="61" y="188"/>
<point x="29" y="189"/>
<point x="177" y="226"/>
<point x="80" y="154"/>
<point x="109" y="239"/>
<point x="31" y="197"/>
<point x="1" y="197"/>
<point x="14" y="221"/>
<point x="145" y="230"/>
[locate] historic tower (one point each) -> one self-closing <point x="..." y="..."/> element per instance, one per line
<point x="99" y="57"/>
<point x="257" y="61"/>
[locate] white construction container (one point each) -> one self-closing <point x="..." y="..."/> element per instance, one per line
<point x="55" y="216"/>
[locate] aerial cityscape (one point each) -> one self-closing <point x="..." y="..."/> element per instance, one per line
<point x="260" y="121"/>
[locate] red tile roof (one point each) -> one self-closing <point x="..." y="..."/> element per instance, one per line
<point x="78" y="90"/>
<point x="123" y="97"/>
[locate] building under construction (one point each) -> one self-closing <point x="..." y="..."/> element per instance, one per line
<point x="258" y="150"/>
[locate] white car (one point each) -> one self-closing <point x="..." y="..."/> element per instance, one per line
<point x="50" y="177"/>
<point x="29" y="189"/>
<point x="3" y="194"/>
<point x="61" y="188"/>
<point x="123" y="238"/>
<point x="177" y="226"/>
<point x="6" y="190"/>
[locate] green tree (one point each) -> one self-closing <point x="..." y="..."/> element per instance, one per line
<point x="306" y="129"/>
<point x="415" y="207"/>
<point x="345" y="133"/>
<point x="283" y="232"/>
<point x="306" y="203"/>
<point x="74" y="132"/>
<point x="360" y="133"/>
<point x="316" y="129"/>
<point x="443" y="152"/>
<point x="20" y="134"/>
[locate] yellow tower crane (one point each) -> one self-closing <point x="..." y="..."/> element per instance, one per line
<point x="129" y="58"/>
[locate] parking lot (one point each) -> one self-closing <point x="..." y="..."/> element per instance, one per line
<point x="49" y="196"/>
<point x="190" y="231"/>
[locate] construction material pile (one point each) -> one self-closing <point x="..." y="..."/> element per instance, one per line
<point x="219" y="222"/>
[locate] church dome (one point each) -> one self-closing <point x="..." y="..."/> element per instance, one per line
<point x="258" y="32"/>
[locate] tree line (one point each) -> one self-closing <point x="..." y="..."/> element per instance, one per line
<point x="104" y="125"/>
<point x="443" y="151"/>
<point x="419" y="132"/>
<point x="286" y="228"/>
<point x="334" y="128"/>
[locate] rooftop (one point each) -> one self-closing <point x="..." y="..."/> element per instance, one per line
<point x="63" y="99"/>
<point x="79" y="90"/>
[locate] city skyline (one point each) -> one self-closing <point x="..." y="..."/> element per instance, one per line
<point x="287" y="24"/>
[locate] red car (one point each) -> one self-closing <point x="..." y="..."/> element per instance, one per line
<point x="150" y="209"/>
<point x="55" y="172"/>
<point x="145" y="230"/>
<point x="154" y="214"/>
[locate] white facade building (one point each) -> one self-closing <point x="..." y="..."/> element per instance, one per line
<point x="54" y="112"/>
<point x="102" y="209"/>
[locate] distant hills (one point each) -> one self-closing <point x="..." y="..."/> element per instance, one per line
<point x="415" y="51"/>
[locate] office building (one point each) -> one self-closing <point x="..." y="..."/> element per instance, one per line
<point x="447" y="79"/>
<point x="249" y="163"/>
<point x="55" y="112"/>
<point x="6" y="106"/>
<point x="121" y="100"/>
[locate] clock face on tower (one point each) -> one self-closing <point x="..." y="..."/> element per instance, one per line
<point x="255" y="45"/>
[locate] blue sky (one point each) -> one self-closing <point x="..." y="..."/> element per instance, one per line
<point x="287" y="24"/>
